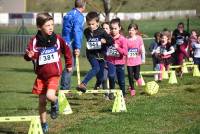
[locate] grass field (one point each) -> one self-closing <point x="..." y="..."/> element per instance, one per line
<point x="175" y="109"/>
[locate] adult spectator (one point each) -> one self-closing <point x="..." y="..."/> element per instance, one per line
<point x="72" y="32"/>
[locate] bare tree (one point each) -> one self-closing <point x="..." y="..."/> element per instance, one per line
<point x="107" y="8"/>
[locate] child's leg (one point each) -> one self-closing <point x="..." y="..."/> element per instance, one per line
<point x="136" y="72"/>
<point x="42" y="108"/>
<point x="130" y="76"/>
<point x="100" y="74"/>
<point x="105" y="77"/>
<point x="157" y="68"/>
<point x="111" y="75"/>
<point x="43" y="113"/>
<point x="161" y="69"/>
<point x="51" y="95"/>
<point x="93" y="71"/>
<point x="121" y="77"/>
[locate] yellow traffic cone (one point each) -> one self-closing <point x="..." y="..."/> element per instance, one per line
<point x="184" y="68"/>
<point x="119" y="103"/>
<point x="172" y="78"/>
<point x="165" y="74"/>
<point x="196" y="71"/>
<point x="35" y="126"/>
<point x="64" y="107"/>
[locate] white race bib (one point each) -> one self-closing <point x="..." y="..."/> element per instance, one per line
<point x="92" y="45"/>
<point x="132" y="52"/>
<point x="112" y="51"/>
<point x="48" y="55"/>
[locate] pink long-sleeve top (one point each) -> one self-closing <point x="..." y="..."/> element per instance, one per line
<point x="136" y="51"/>
<point x="117" y="56"/>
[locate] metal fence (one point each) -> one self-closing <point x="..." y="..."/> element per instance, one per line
<point x="13" y="44"/>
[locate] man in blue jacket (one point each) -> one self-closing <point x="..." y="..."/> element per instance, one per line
<point x="72" y="32"/>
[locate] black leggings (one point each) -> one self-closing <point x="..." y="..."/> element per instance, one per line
<point x="133" y="71"/>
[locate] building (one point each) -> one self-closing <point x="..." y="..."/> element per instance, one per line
<point x="12" y="6"/>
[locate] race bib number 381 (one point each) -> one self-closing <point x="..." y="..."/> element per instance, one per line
<point x="48" y="55"/>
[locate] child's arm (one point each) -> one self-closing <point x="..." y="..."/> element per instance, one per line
<point x="143" y="54"/>
<point x="67" y="55"/>
<point x="122" y="47"/>
<point x="142" y="49"/>
<point x="107" y="39"/>
<point x="171" y="50"/>
<point x="29" y="54"/>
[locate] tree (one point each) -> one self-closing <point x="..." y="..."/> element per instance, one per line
<point x="107" y="8"/>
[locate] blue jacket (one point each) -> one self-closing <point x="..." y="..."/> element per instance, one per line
<point x="73" y="26"/>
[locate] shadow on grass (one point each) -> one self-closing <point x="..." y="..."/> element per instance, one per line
<point x="2" y="131"/>
<point x="82" y="73"/>
<point x="26" y="70"/>
<point x="14" y="91"/>
<point x="191" y="90"/>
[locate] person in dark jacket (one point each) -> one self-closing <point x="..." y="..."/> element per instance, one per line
<point x="45" y="51"/>
<point x="97" y="40"/>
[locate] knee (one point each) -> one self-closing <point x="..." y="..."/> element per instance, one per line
<point x="50" y="97"/>
<point x="136" y="76"/>
<point x="42" y="103"/>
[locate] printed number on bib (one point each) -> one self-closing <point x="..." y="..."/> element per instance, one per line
<point x="133" y="52"/>
<point x="48" y="55"/>
<point x="92" y="45"/>
<point x="112" y="51"/>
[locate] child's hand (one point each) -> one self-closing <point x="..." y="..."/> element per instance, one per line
<point x="116" y="45"/>
<point x="69" y="69"/>
<point x="30" y="53"/>
<point x="190" y="59"/>
<point x="77" y="52"/>
<point x="103" y="41"/>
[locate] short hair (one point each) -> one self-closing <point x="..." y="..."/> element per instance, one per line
<point x="133" y="25"/>
<point x="79" y="3"/>
<point x="157" y="34"/>
<point x="181" y="23"/>
<point x="92" y="16"/>
<point x="106" y="22"/>
<point x="116" y="20"/>
<point x="42" y="18"/>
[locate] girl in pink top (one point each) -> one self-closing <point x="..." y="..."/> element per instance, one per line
<point x="135" y="56"/>
<point x="116" y="54"/>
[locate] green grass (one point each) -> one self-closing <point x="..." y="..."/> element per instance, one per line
<point x="174" y="109"/>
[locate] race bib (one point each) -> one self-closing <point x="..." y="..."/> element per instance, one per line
<point x="179" y="41"/>
<point x="112" y="51"/>
<point x="93" y="44"/>
<point x="132" y="52"/>
<point x="48" y="55"/>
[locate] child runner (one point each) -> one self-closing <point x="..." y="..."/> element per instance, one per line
<point x="45" y="49"/>
<point x="192" y="40"/>
<point x="116" y="54"/>
<point x="164" y="54"/>
<point x="134" y="57"/>
<point x="180" y="39"/>
<point x="109" y="70"/>
<point x="196" y="48"/>
<point x="153" y="47"/>
<point x="97" y="41"/>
